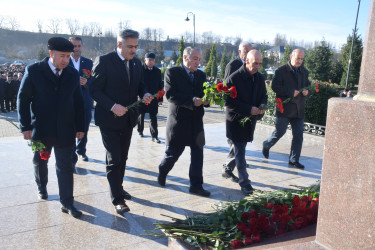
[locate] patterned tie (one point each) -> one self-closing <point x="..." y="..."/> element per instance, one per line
<point x="127" y="68"/>
<point x="57" y="72"/>
<point x="191" y="75"/>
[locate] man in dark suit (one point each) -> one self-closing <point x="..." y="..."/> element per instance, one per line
<point x="84" y="66"/>
<point x="289" y="79"/>
<point x="118" y="82"/>
<point x="251" y="95"/>
<point x="231" y="67"/>
<point x="2" y="91"/>
<point x="184" y="91"/>
<point x="50" y="109"/>
<point x="154" y="83"/>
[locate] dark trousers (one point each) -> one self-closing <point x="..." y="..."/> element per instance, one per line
<point x="239" y="154"/>
<point x="64" y="171"/>
<point x="282" y="123"/>
<point x="80" y="148"/>
<point x="172" y="153"/>
<point x="116" y="143"/>
<point x="153" y="124"/>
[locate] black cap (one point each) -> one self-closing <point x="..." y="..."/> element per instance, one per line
<point x="150" y="55"/>
<point x="60" y="44"/>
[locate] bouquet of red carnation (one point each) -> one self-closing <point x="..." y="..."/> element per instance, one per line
<point x="216" y="93"/>
<point x="86" y="73"/>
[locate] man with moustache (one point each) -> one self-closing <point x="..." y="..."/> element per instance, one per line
<point x="287" y="82"/>
<point x="251" y="95"/>
<point x="231" y="67"/>
<point x="118" y="82"/>
<point x="184" y="91"/>
<point x="84" y="66"/>
<point x="50" y="110"/>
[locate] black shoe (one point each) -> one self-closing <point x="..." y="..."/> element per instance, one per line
<point x="155" y="139"/>
<point x="141" y="134"/>
<point x="3" y="111"/>
<point x="247" y="190"/>
<point x="122" y="208"/>
<point x="42" y="194"/>
<point x="71" y="210"/>
<point x="161" y="179"/>
<point x="199" y="191"/>
<point x="229" y="174"/>
<point x="296" y="164"/>
<point x="127" y="196"/>
<point x="266" y="152"/>
<point x="84" y="157"/>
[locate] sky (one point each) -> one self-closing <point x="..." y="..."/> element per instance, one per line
<point x="253" y="20"/>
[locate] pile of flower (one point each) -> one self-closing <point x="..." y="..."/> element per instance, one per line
<point x="251" y="220"/>
<point x="216" y="93"/>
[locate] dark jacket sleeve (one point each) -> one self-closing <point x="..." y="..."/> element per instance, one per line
<point x="25" y="95"/>
<point x="280" y="86"/>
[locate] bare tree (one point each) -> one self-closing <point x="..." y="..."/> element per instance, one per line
<point x="54" y="25"/>
<point x="160" y="34"/>
<point x="39" y="23"/>
<point x="109" y="33"/>
<point x="73" y="25"/>
<point x="146" y="34"/>
<point x="2" y="21"/>
<point x="280" y="40"/>
<point x="84" y="30"/>
<point x="124" y="24"/>
<point x="13" y="23"/>
<point x="188" y="37"/>
<point x="217" y="39"/>
<point x="207" y="37"/>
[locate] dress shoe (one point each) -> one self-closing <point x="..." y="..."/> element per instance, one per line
<point x="141" y="134"/>
<point x="229" y="175"/>
<point x="71" y="210"/>
<point x="161" y="179"/>
<point x="122" y="208"/>
<point x="247" y="190"/>
<point x="155" y="139"/>
<point x="42" y="194"/>
<point x="266" y="152"/>
<point x="296" y="164"/>
<point x="84" y="157"/>
<point x="200" y="191"/>
<point x="127" y="196"/>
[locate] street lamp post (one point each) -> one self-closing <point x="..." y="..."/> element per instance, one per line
<point x="187" y="19"/>
<point x="351" y="50"/>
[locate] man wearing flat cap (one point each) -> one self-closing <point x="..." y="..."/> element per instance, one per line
<point x="51" y="111"/>
<point x="154" y="83"/>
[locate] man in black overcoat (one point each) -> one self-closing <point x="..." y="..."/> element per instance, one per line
<point x="251" y="96"/>
<point x="154" y="83"/>
<point x="231" y="67"/>
<point x="50" y="109"/>
<point x="184" y="91"/>
<point x="118" y="82"/>
<point x="289" y="79"/>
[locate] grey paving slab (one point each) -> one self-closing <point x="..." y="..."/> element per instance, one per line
<point x="29" y="223"/>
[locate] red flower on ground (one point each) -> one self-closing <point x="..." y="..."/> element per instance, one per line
<point x="245" y="216"/>
<point x="248" y="241"/>
<point x="220" y="87"/>
<point x="256" y="237"/>
<point x="233" y="92"/>
<point x="236" y="244"/>
<point x="254" y="214"/>
<point x="44" y="155"/>
<point x="241" y="226"/>
<point x="270" y="205"/>
<point x="296" y="201"/>
<point x="253" y="223"/>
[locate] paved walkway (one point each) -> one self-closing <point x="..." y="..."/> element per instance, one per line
<point x="27" y="223"/>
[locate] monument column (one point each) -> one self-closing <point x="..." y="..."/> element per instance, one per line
<point x="346" y="208"/>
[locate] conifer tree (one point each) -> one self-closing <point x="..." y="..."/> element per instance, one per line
<point x="286" y="56"/>
<point x="180" y="51"/>
<point x="223" y="63"/>
<point x="212" y="61"/>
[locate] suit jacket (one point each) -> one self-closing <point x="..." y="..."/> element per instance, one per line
<point x="185" y="121"/>
<point x="284" y="84"/>
<point x="232" y="66"/>
<point x="110" y="85"/>
<point x="85" y="63"/>
<point x="153" y="83"/>
<point x="250" y="92"/>
<point x="56" y="103"/>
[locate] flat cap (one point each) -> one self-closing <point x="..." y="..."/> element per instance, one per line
<point x="60" y="44"/>
<point x="150" y="55"/>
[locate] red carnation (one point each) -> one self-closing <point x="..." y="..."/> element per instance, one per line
<point x="225" y="88"/>
<point x="256" y="237"/>
<point x="253" y="223"/>
<point x="248" y="241"/>
<point x="44" y="155"/>
<point x="236" y="243"/>
<point x="245" y="216"/>
<point x="270" y="205"/>
<point x="241" y="226"/>
<point x="296" y="200"/>
<point x="253" y="214"/>
<point x="220" y="87"/>
<point x="233" y="92"/>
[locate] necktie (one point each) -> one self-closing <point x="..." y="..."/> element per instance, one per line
<point x="191" y="75"/>
<point x="127" y="68"/>
<point x="57" y="72"/>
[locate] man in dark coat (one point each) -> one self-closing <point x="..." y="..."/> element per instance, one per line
<point x="14" y="87"/>
<point x="118" y="82"/>
<point x="50" y="110"/>
<point x="2" y="91"/>
<point x="251" y="96"/>
<point x="289" y="79"/>
<point x="184" y="91"/>
<point x="231" y="67"/>
<point x="154" y="83"/>
<point x="84" y="66"/>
